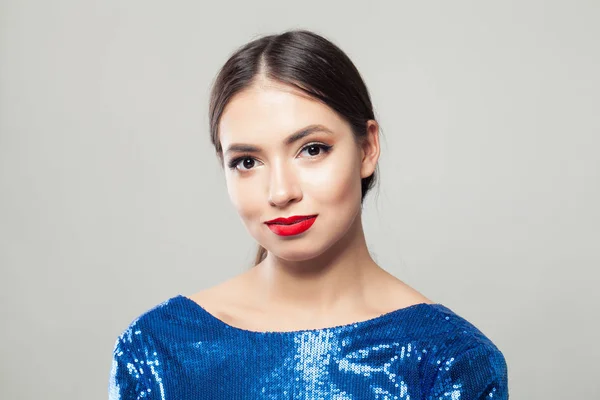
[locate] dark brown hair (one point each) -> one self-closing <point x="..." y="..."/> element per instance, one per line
<point x="306" y="61"/>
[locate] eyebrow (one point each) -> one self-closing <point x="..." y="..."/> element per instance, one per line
<point x="294" y="137"/>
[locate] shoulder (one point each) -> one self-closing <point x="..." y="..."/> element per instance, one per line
<point x="149" y="323"/>
<point x="172" y="321"/>
<point x="474" y="373"/>
<point x="462" y="361"/>
<point x="449" y="330"/>
<point x="137" y="348"/>
<point x="157" y="313"/>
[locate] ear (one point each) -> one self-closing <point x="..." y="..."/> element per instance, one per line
<point x="370" y="149"/>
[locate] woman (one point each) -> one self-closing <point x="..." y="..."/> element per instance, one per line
<point x="315" y="317"/>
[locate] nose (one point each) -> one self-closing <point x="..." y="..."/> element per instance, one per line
<point x="283" y="185"/>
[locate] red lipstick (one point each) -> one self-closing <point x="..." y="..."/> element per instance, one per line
<point x="293" y="225"/>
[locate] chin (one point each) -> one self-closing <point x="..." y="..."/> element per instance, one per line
<point x="297" y="255"/>
<point x="296" y="251"/>
<point x="292" y="252"/>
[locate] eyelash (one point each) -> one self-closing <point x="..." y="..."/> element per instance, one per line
<point x="325" y="147"/>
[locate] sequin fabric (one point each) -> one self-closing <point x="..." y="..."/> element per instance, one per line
<point x="179" y="351"/>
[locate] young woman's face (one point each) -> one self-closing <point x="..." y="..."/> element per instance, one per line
<point x="317" y="174"/>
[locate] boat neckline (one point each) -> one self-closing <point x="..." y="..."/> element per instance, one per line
<point x="357" y="324"/>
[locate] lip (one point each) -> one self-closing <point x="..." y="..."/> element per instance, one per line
<point x="290" y="220"/>
<point x="291" y="226"/>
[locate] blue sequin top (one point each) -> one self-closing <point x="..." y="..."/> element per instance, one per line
<point x="179" y="351"/>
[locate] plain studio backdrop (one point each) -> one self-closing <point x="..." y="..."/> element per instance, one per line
<point x="111" y="198"/>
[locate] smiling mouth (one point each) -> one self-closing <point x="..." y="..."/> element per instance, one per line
<point x="300" y="225"/>
<point x="290" y="223"/>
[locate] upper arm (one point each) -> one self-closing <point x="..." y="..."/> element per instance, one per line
<point x="477" y="374"/>
<point x="128" y="375"/>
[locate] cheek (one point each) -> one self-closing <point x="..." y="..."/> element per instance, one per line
<point x="336" y="182"/>
<point x="243" y="196"/>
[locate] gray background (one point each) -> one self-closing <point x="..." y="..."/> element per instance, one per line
<point x="111" y="199"/>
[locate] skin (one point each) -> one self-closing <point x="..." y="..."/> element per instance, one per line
<point x="325" y="276"/>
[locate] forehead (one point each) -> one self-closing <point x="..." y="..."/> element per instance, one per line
<point x="268" y="112"/>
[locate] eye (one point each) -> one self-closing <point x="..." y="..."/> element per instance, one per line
<point x="316" y="149"/>
<point x="245" y="161"/>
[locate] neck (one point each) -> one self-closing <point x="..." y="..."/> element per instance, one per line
<point x="337" y="279"/>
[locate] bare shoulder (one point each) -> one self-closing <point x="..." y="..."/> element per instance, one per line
<point x="231" y="302"/>
<point x="411" y="296"/>
<point x="398" y="294"/>
<point x="223" y="295"/>
<point x="235" y="292"/>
